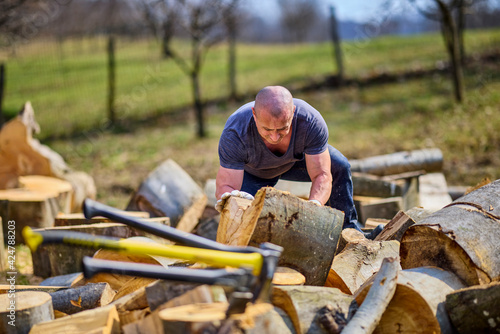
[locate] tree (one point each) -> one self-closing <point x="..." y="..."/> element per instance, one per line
<point x="442" y="11"/>
<point x="232" y="22"/>
<point x="201" y="20"/>
<point x="298" y="17"/>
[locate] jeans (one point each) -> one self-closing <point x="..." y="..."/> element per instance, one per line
<point x="340" y="197"/>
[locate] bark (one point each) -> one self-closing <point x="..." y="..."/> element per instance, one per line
<point x="377" y="298"/>
<point x="31" y="307"/>
<point x="475" y="309"/>
<point x="308" y="233"/>
<point x="86" y="297"/>
<point x="395" y="229"/>
<point x="462" y="237"/>
<point x="169" y="191"/>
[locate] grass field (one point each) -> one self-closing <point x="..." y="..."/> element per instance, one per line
<point x="67" y="86"/>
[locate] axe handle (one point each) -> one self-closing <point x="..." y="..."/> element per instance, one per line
<point x="213" y="257"/>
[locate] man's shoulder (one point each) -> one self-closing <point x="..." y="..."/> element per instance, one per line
<point x="305" y="111"/>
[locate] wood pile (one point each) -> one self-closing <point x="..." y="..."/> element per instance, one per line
<point x="428" y="271"/>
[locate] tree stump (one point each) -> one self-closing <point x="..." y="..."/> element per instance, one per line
<point x="462" y="238"/>
<point x="358" y="261"/>
<point x="169" y="191"/>
<point x="475" y="309"/>
<point x="418" y="303"/>
<point x="308" y="233"/>
<point x="21" y="310"/>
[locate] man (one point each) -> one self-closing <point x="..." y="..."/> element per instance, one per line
<point x="277" y="136"/>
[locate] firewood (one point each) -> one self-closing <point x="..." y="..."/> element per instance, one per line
<point x="371" y="223"/>
<point x="82" y="298"/>
<point x="70" y="219"/>
<point x="462" y="238"/>
<point x="162" y="291"/>
<point x="302" y="303"/>
<point x="398" y="225"/>
<point x="4" y="288"/>
<point x="169" y="191"/>
<point x="375" y="207"/>
<point x="21" y="310"/>
<point x="475" y="309"/>
<point x="132" y="285"/>
<point x="429" y="160"/>
<point x="100" y="320"/>
<point x="307" y="232"/>
<point x="200" y="294"/>
<point x="418" y="302"/>
<point x="195" y="318"/>
<point x="358" y="261"/>
<point x="376" y="299"/>
<point x="288" y="276"/>
<point x="68" y="280"/>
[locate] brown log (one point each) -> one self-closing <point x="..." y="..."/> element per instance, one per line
<point x="21" y="310"/>
<point x="398" y="225"/>
<point x="429" y="160"/>
<point x="302" y="304"/>
<point x="74" y="300"/>
<point x="358" y="261"/>
<point x="475" y="309"/>
<point x="102" y="320"/>
<point x="462" y="238"/>
<point x="418" y="303"/>
<point x="133" y="285"/>
<point x="308" y="233"/>
<point x="169" y="191"/>
<point x="374" y="303"/>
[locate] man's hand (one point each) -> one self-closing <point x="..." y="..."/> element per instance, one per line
<point x="315" y="201"/>
<point x="237" y="193"/>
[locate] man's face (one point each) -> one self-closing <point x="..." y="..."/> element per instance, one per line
<point x="273" y="129"/>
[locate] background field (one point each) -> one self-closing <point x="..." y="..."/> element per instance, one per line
<point x="66" y="84"/>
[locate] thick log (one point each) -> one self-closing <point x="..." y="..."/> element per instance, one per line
<point x="169" y="191"/>
<point x="303" y="304"/>
<point x="308" y="233"/>
<point x="462" y="238"/>
<point x="358" y="261"/>
<point x="102" y="320"/>
<point x="418" y="303"/>
<point x="21" y="310"/>
<point x="475" y="309"/>
<point x="74" y="300"/>
<point x="398" y="225"/>
<point x="374" y="304"/>
<point x="429" y="160"/>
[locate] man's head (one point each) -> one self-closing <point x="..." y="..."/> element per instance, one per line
<point x="273" y="113"/>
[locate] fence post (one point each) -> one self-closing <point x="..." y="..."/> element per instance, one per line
<point x="2" y="90"/>
<point x="336" y="44"/>
<point x="111" y="80"/>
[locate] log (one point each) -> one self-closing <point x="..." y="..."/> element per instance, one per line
<point x="4" y="288"/>
<point x="418" y="302"/>
<point x="348" y="235"/>
<point x="475" y="309"/>
<point x="102" y="320"/>
<point x="60" y="259"/>
<point x="71" y="219"/>
<point x="21" y="310"/>
<point x="169" y="191"/>
<point x="375" y="301"/>
<point x="398" y="225"/>
<point x="288" y="276"/>
<point x="74" y="300"/>
<point x="303" y="303"/>
<point x="433" y="191"/>
<point x="371" y="223"/>
<point x="162" y="291"/>
<point x="68" y="280"/>
<point x="62" y="190"/>
<point x="429" y="160"/>
<point x="21" y="154"/>
<point x="374" y="207"/>
<point x="462" y="238"/>
<point x="358" y="261"/>
<point x="308" y="233"/>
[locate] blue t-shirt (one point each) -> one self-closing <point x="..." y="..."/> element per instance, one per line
<point x="241" y="146"/>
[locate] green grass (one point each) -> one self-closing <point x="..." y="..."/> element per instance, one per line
<point x="67" y="86"/>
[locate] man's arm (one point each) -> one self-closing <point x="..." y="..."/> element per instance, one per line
<point x="319" y="170"/>
<point x="228" y="180"/>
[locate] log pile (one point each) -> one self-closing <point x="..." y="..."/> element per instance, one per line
<point x="428" y="271"/>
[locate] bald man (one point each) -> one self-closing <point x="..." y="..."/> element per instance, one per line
<point x="277" y="136"/>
